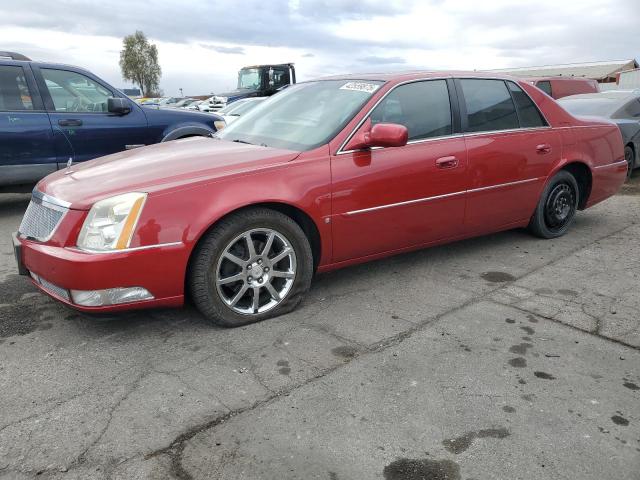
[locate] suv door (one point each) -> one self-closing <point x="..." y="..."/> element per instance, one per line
<point x="27" y="152"/>
<point x="390" y="198"/>
<point x="77" y="105"/>
<point x="510" y="150"/>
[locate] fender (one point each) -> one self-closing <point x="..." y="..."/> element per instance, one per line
<point x="193" y="130"/>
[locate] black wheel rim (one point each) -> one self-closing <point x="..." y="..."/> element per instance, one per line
<point x="560" y="207"/>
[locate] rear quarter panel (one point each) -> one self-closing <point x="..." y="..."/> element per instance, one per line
<point x="603" y="150"/>
<point x="596" y="143"/>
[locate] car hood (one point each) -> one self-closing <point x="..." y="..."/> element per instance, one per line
<point x="160" y="167"/>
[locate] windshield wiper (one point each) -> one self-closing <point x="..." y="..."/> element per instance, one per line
<point x="237" y="140"/>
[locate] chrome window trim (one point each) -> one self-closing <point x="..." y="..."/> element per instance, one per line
<point x="509" y="130"/>
<point x="438" y="197"/>
<point x="609" y="165"/>
<point x="453" y="135"/>
<point x="412" y="142"/>
<point x="124" y="250"/>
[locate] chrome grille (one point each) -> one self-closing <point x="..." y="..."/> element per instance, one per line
<point x="51" y="287"/>
<point x="41" y="218"/>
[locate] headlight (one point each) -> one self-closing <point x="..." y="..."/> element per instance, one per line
<point x="219" y="124"/>
<point x="111" y="222"/>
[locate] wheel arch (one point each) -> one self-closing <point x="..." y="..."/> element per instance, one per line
<point x="190" y="131"/>
<point x="584" y="177"/>
<point x="298" y="215"/>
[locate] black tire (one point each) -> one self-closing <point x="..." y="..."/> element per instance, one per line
<point x="207" y="255"/>
<point x="629" y="155"/>
<point x="557" y="207"/>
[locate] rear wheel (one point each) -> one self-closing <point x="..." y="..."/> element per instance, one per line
<point x="253" y="265"/>
<point x="629" y="155"/>
<point x="557" y="207"/>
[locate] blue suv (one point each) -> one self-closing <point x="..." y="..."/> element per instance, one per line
<point x="52" y="113"/>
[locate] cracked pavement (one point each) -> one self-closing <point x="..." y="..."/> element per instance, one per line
<point x="504" y="356"/>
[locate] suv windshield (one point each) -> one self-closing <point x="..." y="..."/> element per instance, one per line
<point x="302" y="117"/>
<point x="249" y="78"/>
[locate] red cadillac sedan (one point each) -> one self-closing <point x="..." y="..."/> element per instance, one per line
<point x="324" y="174"/>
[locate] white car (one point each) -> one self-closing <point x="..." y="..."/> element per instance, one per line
<point x="207" y="105"/>
<point x="232" y="111"/>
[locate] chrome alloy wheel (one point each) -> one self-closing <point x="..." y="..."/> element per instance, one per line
<point x="256" y="271"/>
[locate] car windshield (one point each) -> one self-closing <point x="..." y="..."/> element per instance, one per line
<point x="302" y="117"/>
<point x="249" y="78"/>
<point x="599" y="107"/>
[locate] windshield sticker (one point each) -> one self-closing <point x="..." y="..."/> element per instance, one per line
<point x="360" y="87"/>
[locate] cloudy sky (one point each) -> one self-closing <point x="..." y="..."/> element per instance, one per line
<point x="202" y="43"/>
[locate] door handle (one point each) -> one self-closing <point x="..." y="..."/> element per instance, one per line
<point x="447" y="162"/>
<point x="70" y="122"/>
<point x="543" y="148"/>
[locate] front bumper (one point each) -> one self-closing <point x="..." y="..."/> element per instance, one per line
<point x="160" y="269"/>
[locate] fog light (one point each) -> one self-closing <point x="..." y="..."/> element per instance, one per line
<point x="110" y="296"/>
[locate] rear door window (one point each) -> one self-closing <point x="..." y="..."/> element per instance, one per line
<point x="14" y="91"/>
<point x="545" y="86"/>
<point x="530" y="116"/>
<point x="489" y="105"/>
<point x="423" y="107"/>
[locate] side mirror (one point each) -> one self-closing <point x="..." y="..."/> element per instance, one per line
<point x="380" y="135"/>
<point x="119" y="106"/>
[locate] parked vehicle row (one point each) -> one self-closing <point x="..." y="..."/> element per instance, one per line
<point x="558" y="87"/>
<point x="232" y="112"/>
<point x="256" y="81"/>
<point x="620" y="106"/>
<point x="55" y="114"/>
<point x="325" y="174"/>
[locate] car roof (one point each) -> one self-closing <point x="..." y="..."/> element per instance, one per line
<point x="558" y="77"/>
<point x="419" y="74"/>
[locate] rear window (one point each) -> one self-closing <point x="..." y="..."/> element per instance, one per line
<point x="599" y="107"/>
<point x="489" y="105"/>
<point x="630" y="110"/>
<point x="530" y="116"/>
<point x="545" y="86"/>
<point x="14" y="93"/>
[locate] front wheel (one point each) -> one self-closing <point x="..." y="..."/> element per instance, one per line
<point x="557" y="207"/>
<point x="251" y="266"/>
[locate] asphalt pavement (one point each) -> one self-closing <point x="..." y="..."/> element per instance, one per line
<point x="501" y="357"/>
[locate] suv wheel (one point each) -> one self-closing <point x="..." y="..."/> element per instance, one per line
<point x="253" y="265"/>
<point x="557" y="207"/>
